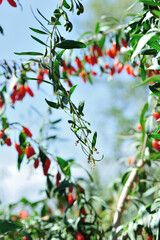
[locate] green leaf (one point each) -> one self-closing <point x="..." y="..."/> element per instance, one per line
<point x="38" y="31"/>
<point x="144" y="110"/>
<point x="29" y="53"/>
<point x="71" y="90"/>
<point x="65" y="100"/>
<point x="49" y="184"/>
<point x="150" y="2"/>
<point x="22" y="138"/>
<point x="1" y="30"/>
<point x="148" y="52"/>
<point x="97" y="27"/>
<point x="42" y="155"/>
<point x="40" y="22"/>
<point x="56" y="121"/>
<point x="131" y="232"/>
<point x="150" y="126"/>
<point x="154" y="45"/>
<point x="125" y="177"/>
<point x="141" y="43"/>
<point x="38" y="40"/>
<point x="156" y="12"/>
<point x="101" y="42"/>
<point x="156" y="136"/>
<point x="57" y="13"/>
<point x="42" y="15"/>
<point x="9" y="226"/>
<point x="25" y="201"/>
<point x="20" y="159"/>
<point x="66" y="5"/>
<point x="81" y="107"/>
<point x="52" y="104"/>
<point x="36" y="79"/>
<point x="54" y="21"/>
<point x="70" y="44"/>
<point x="63" y="185"/>
<point x="65" y="167"/>
<point x="154" y="89"/>
<point x="51" y="137"/>
<point x="151" y="79"/>
<point x="94" y="140"/>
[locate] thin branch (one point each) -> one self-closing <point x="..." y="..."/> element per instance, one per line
<point x="94" y="37"/>
<point x="124" y="193"/>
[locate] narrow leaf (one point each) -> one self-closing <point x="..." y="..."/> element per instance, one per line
<point x="38" y="31"/>
<point x="52" y="104"/>
<point x="142" y="42"/>
<point x="38" y="40"/>
<point x="151" y="79"/>
<point x="29" y="53"/>
<point x="97" y="28"/>
<point x="81" y="107"/>
<point x="94" y="140"/>
<point x="70" y="44"/>
<point x="65" y="167"/>
<point x="145" y="108"/>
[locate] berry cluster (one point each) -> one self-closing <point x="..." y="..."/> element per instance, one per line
<point x="25" y="148"/>
<point x="92" y="59"/>
<point x="19" y="92"/>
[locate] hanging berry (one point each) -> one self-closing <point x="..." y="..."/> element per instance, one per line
<point x="36" y="163"/>
<point x="29" y="91"/>
<point x="19" y="149"/>
<point x="29" y="151"/>
<point x="79" y="236"/>
<point x="70" y="199"/>
<point x="8" y="142"/>
<point x="27" y="132"/>
<point x="23" y="214"/>
<point x="46" y="166"/>
<point x="11" y="2"/>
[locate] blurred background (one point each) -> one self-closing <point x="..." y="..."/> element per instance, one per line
<point x="111" y="106"/>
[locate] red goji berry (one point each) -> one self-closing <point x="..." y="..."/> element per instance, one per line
<point x="19" y="149"/>
<point x="79" y="64"/>
<point x="27" y="132"/>
<point x="156" y="145"/>
<point x="8" y="142"/>
<point x="150" y="237"/>
<point x="46" y="166"/>
<point x="156" y="115"/>
<point x="23" y="214"/>
<point x="29" y="151"/>
<point x="36" y="163"/>
<point x="120" y="67"/>
<point x="106" y="66"/>
<point x="79" y="236"/>
<point x="29" y="91"/>
<point x="139" y="127"/>
<point x="124" y="43"/>
<point x="70" y="199"/>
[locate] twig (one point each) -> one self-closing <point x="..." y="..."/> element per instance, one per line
<point x="94" y="37"/>
<point x="124" y="193"/>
